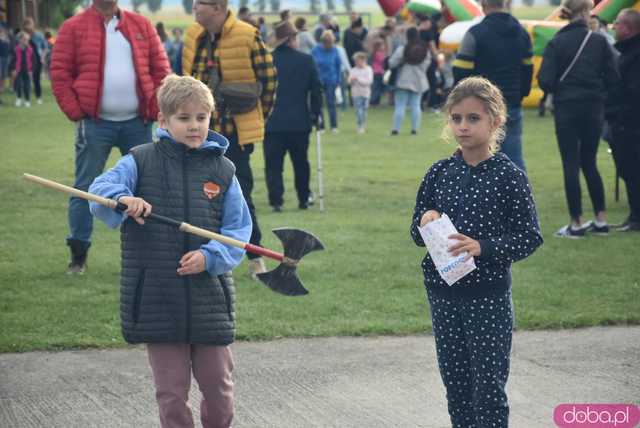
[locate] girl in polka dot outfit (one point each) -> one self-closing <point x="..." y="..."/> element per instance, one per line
<point x="489" y="201"/>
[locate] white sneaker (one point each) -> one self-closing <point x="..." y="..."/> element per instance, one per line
<point x="569" y="232"/>
<point x="19" y="102"/>
<point x="334" y="130"/>
<point x="360" y="130"/>
<point x="27" y="104"/>
<point x="255" y="267"/>
<point x="39" y="100"/>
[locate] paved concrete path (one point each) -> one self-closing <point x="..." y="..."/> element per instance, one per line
<point x="330" y="382"/>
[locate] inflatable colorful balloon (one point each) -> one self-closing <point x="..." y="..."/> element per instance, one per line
<point x="452" y="34"/>
<point x="463" y="14"/>
<point x="608" y="9"/>
<point x="424" y="7"/>
<point x="463" y="10"/>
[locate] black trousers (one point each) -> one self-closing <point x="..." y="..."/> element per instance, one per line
<point x="23" y="86"/>
<point x="473" y="345"/>
<point x="241" y="157"/>
<point x="37" y="71"/>
<point x="578" y="130"/>
<point x="276" y="146"/>
<point x="625" y="146"/>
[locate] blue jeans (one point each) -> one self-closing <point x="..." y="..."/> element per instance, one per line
<point x="330" y="98"/>
<point x="94" y="141"/>
<point x="512" y="144"/>
<point x="362" y="105"/>
<point x="403" y="97"/>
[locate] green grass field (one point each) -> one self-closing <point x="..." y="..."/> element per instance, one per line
<point x="367" y="282"/>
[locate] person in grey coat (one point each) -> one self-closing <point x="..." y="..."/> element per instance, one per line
<point x="412" y="59"/>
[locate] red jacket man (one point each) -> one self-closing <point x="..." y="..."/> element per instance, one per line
<point x="77" y="63"/>
<point x="106" y="66"/>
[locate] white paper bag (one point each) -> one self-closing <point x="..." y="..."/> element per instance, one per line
<point x="435" y="235"/>
<point x="338" y="94"/>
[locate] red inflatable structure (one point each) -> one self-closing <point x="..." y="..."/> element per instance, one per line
<point x="391" y="7"/>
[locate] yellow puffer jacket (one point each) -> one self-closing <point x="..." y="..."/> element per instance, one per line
<point x="234" y="51"/>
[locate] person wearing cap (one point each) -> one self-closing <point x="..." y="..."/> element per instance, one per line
<point x="297" y="108"/>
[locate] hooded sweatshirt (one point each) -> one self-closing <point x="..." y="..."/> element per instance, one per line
<point x="122" y="180"/>
<point x="497" y="48"/>
<point x="491" y="203"/>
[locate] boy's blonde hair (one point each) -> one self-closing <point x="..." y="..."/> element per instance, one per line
<point x="489" y="95"/>
<point x="175" y="91"/>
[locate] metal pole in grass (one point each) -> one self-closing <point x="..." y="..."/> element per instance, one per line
<point x="319" y="154"/>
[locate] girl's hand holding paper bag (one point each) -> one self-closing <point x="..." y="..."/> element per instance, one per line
<point x="429" y="216"/>
<point x="470" y="245"/>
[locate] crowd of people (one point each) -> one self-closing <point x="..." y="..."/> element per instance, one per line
<point x="244" y="82"/>
<point x="334" y="52"/>
<point x="25" y="54"/>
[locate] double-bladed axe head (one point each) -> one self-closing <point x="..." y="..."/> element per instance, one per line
<point x="296" y="243"/>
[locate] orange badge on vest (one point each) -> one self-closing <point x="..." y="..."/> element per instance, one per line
<point x="211" y="190"/>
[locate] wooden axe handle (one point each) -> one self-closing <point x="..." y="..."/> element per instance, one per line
<point x="184" y="227"/>
<point x="75" y="192"/>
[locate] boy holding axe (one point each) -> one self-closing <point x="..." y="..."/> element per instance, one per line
<point x="177" y="293"/>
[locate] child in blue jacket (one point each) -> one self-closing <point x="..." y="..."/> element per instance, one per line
<point x="177" y="293"/>
<point x="489" y="201"/>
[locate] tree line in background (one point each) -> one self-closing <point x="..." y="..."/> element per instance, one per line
<point x="63" y="9"/>
<point x="274" y="5"/>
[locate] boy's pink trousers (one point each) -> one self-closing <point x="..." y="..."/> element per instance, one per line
<point x="172" y="365"/>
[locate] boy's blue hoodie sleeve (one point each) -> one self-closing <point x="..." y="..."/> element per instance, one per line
<point x="121" y="180"/>
<point x="236" y="223"/>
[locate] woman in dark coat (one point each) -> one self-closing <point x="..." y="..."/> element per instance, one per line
<point x="578" y="69"/>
